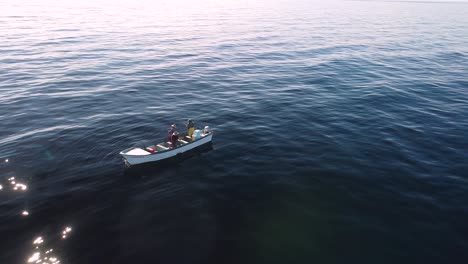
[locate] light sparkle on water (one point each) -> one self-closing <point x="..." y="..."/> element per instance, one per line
<point x="38" y="241"/>
<point x="34" y="257"/>
<point x="40" y="255"/>
<point x="16" y="186"/>
<point x="66" y="231"/>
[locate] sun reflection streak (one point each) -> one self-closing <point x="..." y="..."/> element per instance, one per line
<point x="34" y="257"/>
<point x="39" y="256"/>
<point x="42" y="253"/>
<point x="20" y="186"/>
<point x="16" y="186"/>
<point x="66" y="231"/>
<point x="38" y="240"/>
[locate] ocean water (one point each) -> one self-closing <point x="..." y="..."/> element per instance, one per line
<point x="340" y="131"/>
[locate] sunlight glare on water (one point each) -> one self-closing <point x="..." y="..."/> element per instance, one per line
<point x="42" y="253"/>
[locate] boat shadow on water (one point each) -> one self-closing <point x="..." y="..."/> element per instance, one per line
<point x="148" y="168"/>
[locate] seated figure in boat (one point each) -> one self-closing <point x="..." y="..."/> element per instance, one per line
<point x="171" y="131"/>
<point x="190" y="127"/>
<point x="174" y="139"/>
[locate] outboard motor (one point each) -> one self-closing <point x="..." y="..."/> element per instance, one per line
<point x="206" y="130"/>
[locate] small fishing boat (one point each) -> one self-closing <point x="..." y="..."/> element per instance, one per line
<point x="164" y="150"/>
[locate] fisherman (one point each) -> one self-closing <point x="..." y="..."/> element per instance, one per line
<point x="174" y="139"/>
<point x="170" y="131"/>
<point x="190" y="127"/>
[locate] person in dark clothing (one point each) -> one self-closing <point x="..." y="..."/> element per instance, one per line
<point x="174" y="139"/>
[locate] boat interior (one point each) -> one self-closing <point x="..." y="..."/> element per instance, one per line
<point x="163" y="146"/>
<point x="183" y="139"/>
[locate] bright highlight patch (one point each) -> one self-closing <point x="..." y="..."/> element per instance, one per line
<point x="34" y="257"/>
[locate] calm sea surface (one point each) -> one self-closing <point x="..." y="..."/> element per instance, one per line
<point x="341" y="131"/>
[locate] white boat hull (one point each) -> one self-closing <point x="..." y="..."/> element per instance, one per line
<point x="164" y="155"/>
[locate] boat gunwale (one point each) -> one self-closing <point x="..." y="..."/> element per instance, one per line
<point x="164" y="151"/>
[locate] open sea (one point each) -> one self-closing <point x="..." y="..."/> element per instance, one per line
<point x="341" y="131"/>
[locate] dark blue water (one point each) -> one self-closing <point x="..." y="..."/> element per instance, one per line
<point x="341" y="131"/>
